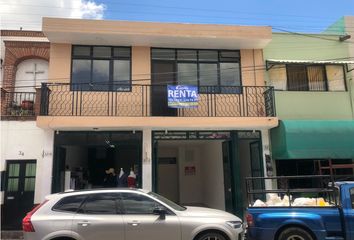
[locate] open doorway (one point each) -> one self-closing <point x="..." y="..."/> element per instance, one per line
<point x="207" y="168"/>
<point x="83" y="160"/>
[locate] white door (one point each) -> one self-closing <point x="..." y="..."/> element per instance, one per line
<point x="168" y="181"/>
<point x="141" y="223"/>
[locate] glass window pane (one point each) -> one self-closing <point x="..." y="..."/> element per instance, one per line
<point x="12" y="185"/>
<point x="121" y="52"/>
<point x="335" y="77"/>
<point x="100" y="75"/>
<point x="230" y="78"/>
<point x="29" y="184"/>
<point x="100" y="204"/>
<point x="69" y="204"/>
<point x="230" y="74"/>
<point x="14" y="169"/>
<point x="187" y="74"/>
<point x="121" y="70"/>
<point x="229" y="56"/>
<point x="187" y="55"/>
<point x="103" y="52"/>
<point x="207" y="55"/>
<point x="83" y="51"/>
<point x="163" y="54"/>
<point x="138" y="204"/>
<point x="316" y="77"/>
<point x="208" y="74"/>
<point x="81" y="72"/>
<point x="297" y="78"/>
<point x="30" y="169"/>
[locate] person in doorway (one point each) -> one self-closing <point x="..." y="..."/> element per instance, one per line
<point x="122" y="179"/>
<point x="110" y="179"/>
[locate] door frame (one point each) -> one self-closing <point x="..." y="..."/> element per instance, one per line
<point x="55" y="185"/>
<point x="20" y="186"/>
<point x="234" y="164"/>
<point x="7" y="171"/>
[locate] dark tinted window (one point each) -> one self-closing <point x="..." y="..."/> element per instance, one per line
<point x="352" y="196"/>
<point x="103" y="52"/>
<point x="121" y="52"/>
<point x="69" y="204"/>
<point x="163" y="54"/>
<point x="101" y="68"/>
<point x="81" y="51"/>
<point x="100" y="204"/>
<point x="138" y="204"/>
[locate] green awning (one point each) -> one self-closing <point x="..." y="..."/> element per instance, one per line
<point x="313" y="139"/>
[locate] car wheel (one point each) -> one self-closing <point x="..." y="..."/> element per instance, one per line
<point x="295" y="233"/>
<point x="211" y="236"/>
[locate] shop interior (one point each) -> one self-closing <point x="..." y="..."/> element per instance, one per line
<point x="85" y="160"/>
<point x="198" y="172"/>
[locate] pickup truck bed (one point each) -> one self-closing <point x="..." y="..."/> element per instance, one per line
<point x="321" y="222"/>
<point x="288" y="221"/>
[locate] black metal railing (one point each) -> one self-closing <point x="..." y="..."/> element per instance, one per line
<point x="18" y="104"/>
<point x="64" y="99"/>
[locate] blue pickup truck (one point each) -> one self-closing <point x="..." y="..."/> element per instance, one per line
<point x="334" y="221"/>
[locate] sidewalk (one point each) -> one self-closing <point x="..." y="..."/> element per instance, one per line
<point x="11" y="235"/>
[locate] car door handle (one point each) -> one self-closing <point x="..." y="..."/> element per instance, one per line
<point x="134" y="223"/>
<point x="83" y="224"/>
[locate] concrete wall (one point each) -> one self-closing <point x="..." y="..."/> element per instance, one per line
<point x="25" y="141"/>
<point x="213" y="175"/>
<point x="190" y="185"/>
<point x="25" y="79"/>
<point x="334" y="104"/>
<point x="313" y="105"/>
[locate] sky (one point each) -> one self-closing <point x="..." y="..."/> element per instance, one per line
<point x="298" y="16"/>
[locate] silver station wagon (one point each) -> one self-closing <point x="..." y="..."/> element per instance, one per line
<point x="126" y="214"/>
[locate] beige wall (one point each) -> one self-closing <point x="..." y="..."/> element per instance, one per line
<point x="252" y="67"/>
<point x="137" y="102"/>
<point x="59" y="63"/>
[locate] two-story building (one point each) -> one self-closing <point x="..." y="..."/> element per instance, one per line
<point x="313" y="82"/>
<point x="106" y="100"/>
<point x="24" y="146"/>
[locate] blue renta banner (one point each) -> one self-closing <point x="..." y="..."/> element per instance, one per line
<point x="182" y="96"/>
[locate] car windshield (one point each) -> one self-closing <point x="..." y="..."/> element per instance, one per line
<point x="171" y="204"/>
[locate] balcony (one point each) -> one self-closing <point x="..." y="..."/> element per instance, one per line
<point x="18" y="105"/>
<point x="64" y="99"/>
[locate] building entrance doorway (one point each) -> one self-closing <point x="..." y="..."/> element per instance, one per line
<point x="206" y="168"/>
<point x="19" y="192"/>
<point x="85" y="160"/>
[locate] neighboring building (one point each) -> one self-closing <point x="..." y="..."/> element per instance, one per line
<point x="312" y="78"/>
<point x="24" y="65"/>
<point x="106" y="100"/>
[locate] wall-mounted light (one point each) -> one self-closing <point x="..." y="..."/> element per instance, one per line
<point x="344" y="37"/>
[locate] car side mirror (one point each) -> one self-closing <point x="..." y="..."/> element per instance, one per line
<point x="161" y="212"/>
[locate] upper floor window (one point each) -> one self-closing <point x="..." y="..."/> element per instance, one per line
<point x="101" y="68"/>
<point x="300" y="77"/>
<point x="211" y="70"/>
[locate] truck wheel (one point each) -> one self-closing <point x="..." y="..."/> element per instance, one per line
<point x="295" y="233"/>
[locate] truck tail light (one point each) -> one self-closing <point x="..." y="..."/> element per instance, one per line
<point x="26" y="222"/>
<point x="249" y="219"/>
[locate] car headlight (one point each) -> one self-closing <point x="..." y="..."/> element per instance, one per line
<point x="234" y="224"/>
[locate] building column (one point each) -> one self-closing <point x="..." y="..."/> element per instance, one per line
<point x="266" y="152"/>
<point x="147" y="160"/>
